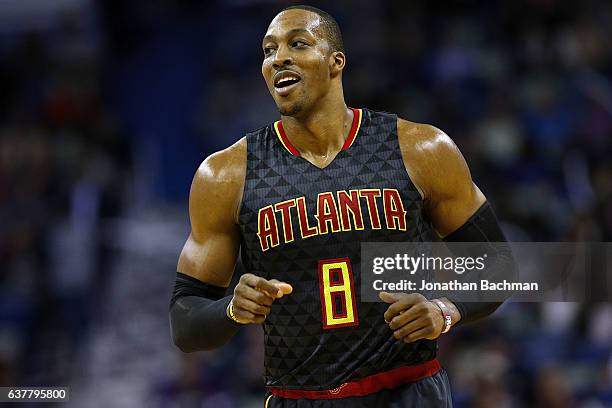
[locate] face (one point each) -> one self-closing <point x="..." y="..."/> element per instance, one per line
<point x="298" y="64"/>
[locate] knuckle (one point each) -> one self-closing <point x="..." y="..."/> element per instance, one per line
<point x="242" y="305"/>
<point x="417" y="297"/>
<point x="237" y="300"/>
<point x="248" y="316"/>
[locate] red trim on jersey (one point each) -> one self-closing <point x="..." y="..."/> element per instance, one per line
<point x="357" y="114"/>
<point x="387" y="380"/>
<point x="354" y="127"/>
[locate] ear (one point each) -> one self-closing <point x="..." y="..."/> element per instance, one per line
<point x="337" y="60"/>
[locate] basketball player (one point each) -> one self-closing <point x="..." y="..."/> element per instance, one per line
<point x="297" y="197"/>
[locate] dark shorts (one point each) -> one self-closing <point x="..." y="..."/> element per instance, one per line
<point x="430" y="392"/>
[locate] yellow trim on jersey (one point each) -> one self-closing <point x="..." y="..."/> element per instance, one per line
<point x="279" y="136"/>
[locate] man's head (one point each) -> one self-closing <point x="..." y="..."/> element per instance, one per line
<point x="303" y="58"/>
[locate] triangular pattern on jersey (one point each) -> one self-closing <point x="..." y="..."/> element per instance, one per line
<point x="300" y="353"/>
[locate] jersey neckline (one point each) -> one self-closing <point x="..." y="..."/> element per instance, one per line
<point x="350" y="139"/>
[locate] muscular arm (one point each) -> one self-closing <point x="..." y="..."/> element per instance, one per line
<point x="208" y="257"/>
<point x="214" y="201"/>
<point x="198" y="316"/>
<point x="438" y="169"/>
<point x="453" y="203"/>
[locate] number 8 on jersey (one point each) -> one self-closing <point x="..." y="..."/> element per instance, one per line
<point x="338" y="302"/>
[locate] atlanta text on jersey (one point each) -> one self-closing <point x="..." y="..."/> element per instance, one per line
<point x="340" y="212"/>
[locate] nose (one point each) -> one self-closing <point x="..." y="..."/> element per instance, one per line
<point x="282" y="57"/>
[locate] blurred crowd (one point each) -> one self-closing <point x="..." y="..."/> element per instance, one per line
<point x="108" y="108"/>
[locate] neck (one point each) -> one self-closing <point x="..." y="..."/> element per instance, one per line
<point x="322" y="131"/>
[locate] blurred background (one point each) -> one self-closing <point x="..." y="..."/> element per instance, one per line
<point x="107" y="108"/>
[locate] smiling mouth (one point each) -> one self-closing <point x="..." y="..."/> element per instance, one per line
<point x="285" y="82"/>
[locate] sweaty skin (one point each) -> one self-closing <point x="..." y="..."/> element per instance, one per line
<point x="317" y="121"/>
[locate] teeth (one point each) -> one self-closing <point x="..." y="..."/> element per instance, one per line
<point x="286" y="79"/>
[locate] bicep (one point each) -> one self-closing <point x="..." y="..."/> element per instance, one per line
<point x="213" y="244"/>
<point x="441" y="175"/>
<point x="453" y="210"/>
<point x="210" y="258"/>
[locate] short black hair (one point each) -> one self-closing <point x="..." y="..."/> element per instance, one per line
<point x="331" y="30"/>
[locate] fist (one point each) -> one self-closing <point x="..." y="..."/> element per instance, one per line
<point x="254" y="295"/>
<point x="412" y="317"/>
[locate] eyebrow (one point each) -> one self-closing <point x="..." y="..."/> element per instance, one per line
<point x="289" y="33"/>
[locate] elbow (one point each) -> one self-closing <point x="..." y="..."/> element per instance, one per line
<point x="197" y="324"/>
<point x="178" y="331"/>
<point x="184" y="338"/>
<point x="181" y="343"/>
<point x="187" y="346"/>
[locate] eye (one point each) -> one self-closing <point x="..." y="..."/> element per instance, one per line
<point x="298" y="43"/>
<point x="268" y="50"/>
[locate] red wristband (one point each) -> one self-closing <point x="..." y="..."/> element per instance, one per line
<point x="448" y="320"/>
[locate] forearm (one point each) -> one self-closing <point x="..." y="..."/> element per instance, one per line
<point x="198" y="317"/>
<point x="201" y="324"/>
<point x="482" y="229"/>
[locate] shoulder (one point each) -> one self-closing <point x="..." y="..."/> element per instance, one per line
<point x="424" y="141"/>
<point x="224" y="166"/>
<point x="219" y="180"/>
<point x="432" y="159"/>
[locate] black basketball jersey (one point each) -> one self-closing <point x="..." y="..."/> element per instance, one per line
<point x="304" y="225"/>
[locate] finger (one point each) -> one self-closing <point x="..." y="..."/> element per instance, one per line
<point x="404" y="301"/>
<point x="246" y="317"/>
<point x="416" y="335"/>
<point x="407" y="297"/>
<point x="393" y="310"/>
<point x="250" y="306"/>
<point x="284" y="287"/>
<point x="262" y="284"/>
<point x="409" y="314"/>
<point x="255" y="295"/>
<point x="409" y="328"/>
<point x="388" y="297"/>
<point x="243" y="316"/>
<point x="396" y="308"/>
